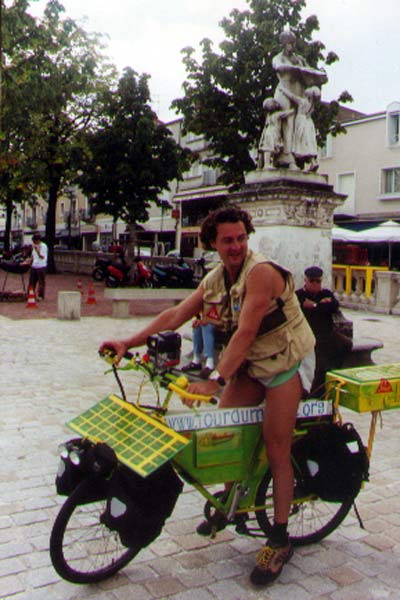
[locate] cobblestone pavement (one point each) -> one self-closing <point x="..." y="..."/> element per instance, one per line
<point x="50" y="372"/>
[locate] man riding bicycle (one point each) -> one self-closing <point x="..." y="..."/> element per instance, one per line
<point x="269" y="355"/>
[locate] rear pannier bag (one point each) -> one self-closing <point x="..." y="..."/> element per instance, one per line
<point x="333" y="461"/>
<point x="96" y="461"/>
<point x="138" y="507"/>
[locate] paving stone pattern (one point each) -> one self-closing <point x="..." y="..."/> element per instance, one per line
<point x="50" y="372"/>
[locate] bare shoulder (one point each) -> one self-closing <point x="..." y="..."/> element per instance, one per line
<point x="265" y="278"/>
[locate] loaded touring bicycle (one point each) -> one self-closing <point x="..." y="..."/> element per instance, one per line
<point x="123" y="475"/>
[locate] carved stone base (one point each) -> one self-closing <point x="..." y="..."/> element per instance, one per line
<point x="292" y="212"/>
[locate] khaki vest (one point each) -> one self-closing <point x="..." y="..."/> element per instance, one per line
<point x="284" y="336"/>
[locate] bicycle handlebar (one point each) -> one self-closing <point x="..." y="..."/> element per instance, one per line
<point x="178" y="386"/>
<point x="182" y="393"/>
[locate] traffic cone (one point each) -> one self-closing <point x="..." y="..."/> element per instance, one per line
<point x="31" y="298"/>
<point x="91" y="297"/>
<point x="79" y="286"/>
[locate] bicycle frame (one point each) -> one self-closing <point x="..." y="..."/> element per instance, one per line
<point x="226" y="444"/>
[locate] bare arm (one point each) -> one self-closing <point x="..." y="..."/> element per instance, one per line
<point x="169" y="319"/>
<point x="263" y="284"/>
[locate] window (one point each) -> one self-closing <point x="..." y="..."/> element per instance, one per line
<point x="346" y="184"/>
<point x="391" y="181"/>
<point x="393" y="129"/>
<point x="393" y="124"/>
<point x="195" y="170"/>
<point x="326" y="149"/>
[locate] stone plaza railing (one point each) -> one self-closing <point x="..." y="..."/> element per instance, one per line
<point x="81" y="262"/>
<point x="77" y="261"/>
<point x="367" y="288"/>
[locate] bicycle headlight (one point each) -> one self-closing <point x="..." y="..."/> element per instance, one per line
<point x="75" y="457"/>
<point x="63" y="451"/>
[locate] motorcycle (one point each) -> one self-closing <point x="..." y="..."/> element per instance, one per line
<point x="101" y="265"/>
<point x="178" y="275"/>
<point x="120" y="275"/>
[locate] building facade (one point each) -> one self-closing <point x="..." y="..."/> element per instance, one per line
<point x="364" y="164"/>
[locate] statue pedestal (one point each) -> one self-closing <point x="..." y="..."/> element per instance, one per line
<point x="292" y="212"/>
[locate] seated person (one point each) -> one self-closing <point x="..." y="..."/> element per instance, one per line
<point x="203" y="344"/>
<point x="318" y="305"/>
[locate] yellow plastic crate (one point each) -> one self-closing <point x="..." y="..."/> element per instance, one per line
<point x="366" y="389"/>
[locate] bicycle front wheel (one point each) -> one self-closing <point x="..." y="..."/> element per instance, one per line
<point x="82" y="548"/>
<point x="310" y="520"/>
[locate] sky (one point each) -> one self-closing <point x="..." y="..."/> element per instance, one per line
<point x="148" y="35"/>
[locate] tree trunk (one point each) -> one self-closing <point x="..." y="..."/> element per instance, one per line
<point x="51" y="222"/>
<point x="132" y="242"/>
<point x="7" y="230"/>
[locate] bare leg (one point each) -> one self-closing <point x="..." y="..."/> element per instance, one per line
<point x="242" y="390"/>
<point x="279" y="421"/>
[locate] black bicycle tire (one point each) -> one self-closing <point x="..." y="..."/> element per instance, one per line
<point x="60" y="561"/>
<point x="337" y="511"/>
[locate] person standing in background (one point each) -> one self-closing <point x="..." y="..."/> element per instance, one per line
<point x="38" y="266"/>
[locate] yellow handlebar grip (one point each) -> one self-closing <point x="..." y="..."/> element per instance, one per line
<point x="183" y="394"/>
<point x="182" y="382"/>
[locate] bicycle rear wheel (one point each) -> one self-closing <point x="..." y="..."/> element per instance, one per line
<point x="310" y="520"/>
<point x="82" y="548"/>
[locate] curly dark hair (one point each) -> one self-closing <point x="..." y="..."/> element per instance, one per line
<point x="230" y="214"/>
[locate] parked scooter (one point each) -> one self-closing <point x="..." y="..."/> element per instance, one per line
<point x="178" y="275"/>
<point x="120" y="275"/>
<point x="100" y="271"/>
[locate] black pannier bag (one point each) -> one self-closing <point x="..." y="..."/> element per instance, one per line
<point x="138" y="507"/>
<point x="80" y="460"/>
<point x="333" y="461"/>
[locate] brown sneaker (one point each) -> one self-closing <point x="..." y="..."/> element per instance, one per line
<point x="270" y="561"/>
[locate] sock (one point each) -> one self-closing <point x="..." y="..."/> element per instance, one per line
<point x="210" y="363"/>
<point x="197" y="359"/>
<point x="279" y="535"/>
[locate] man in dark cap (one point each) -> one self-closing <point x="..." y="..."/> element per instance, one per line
<point x="319" y="305"/>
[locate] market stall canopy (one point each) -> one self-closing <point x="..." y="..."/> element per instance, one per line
<point x="339" y="234"/>
<point x="389" y="231"/>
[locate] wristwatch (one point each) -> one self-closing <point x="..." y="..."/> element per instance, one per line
<point x="215" y="376"/>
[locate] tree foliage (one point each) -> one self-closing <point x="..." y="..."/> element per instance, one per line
<point x="224" y="91"/>
<point x="16" y="184"/>
<point x="53" y="78"/>
<point x="133" y="155"/>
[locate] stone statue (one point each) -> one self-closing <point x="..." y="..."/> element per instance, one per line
<point x="296" y="92"/>
<point x="271" y="141"/>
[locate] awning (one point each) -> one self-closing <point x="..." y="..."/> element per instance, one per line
<point x="88" y="228"/>
<point x="159" y="224"/>
<point x="209" y="191"/>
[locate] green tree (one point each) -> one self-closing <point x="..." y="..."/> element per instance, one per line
<point x="17" y="42"/>
<point x="133" y="155"/>
<point x="224" y="92"/>
<point x="56" y="76"/>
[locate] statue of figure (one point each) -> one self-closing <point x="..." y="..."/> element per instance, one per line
<point x="294" y="75"/>
<point x="304" y="138"/>
<point x="271" y="141"/>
